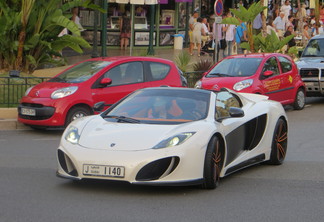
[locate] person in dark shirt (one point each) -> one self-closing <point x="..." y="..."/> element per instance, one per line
<point x="290" y="31"/>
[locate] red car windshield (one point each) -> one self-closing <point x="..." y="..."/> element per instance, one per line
<point x="81" y="72"/>
<point x="235" y="67"/>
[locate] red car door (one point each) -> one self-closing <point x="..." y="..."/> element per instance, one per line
<point x="288" y="79"/>
<point x="271" y="84"/>
<point x="126" y="78"/>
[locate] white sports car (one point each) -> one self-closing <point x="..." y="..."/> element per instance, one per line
<point x="174" y="136"/>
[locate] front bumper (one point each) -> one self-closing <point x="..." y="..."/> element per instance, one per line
<point x="169" y="166"/>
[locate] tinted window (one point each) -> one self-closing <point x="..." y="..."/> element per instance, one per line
<point x="236" y="67"/>
<point x="224" y="101"/>
<point x="81" y="72"/>
<point x="315" y="48"/>
<point x="285" y="64"/>
<point x="164" y="106"/>
<point x="126" y="73"/>
<point x="271" y="65"/>
<point x="159" y="70"/>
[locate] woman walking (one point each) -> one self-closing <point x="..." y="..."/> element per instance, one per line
<point x="197" y="32"/>
<point x="125" y="31"/>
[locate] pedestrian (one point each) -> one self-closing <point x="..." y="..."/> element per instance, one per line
<point x="192" y="21"/>
<point x="286" y="9"/>
<point x="240" y="36"/>
<point x="257" y="24"/>
<point x="76" y="19"/>
<point x="290" y="31"/>
<point x="206" y="27"/>
<point x="125" y="31"/>
<point x="306" y="36"/>
<point x="280" y="24"/>
<point x="197" y="32"/>
<point x="229" y="37"/>
<point x="270" y="27"/>
<point x="290" y="22"/>
<point x="217" y="32"/>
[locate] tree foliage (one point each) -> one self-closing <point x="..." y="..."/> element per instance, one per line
<point x="29" y="31"/>
<point x="247" y="16"/>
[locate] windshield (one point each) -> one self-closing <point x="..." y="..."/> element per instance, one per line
<point x="315" y="48"/>
<point x="235" y="67"/>
<point x="162" y="106"/>
<point x="81" y="72"/>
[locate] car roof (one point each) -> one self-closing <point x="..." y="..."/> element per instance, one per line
<point x="179" y="88"/>
<point x="255" y="55"/>
<point x="129" y="58"/>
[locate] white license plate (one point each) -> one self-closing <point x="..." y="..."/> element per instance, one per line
<point x="28" y="112"/>
<point x="102" y="170"/>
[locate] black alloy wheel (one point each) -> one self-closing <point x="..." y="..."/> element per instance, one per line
<point x="213" y="164"/>
<point x="279" y="143"/>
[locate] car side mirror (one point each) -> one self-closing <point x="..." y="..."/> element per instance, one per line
<point x="236" y="112"/>
<point x="268" y="73"/>
<point x="99" y="106"/>
<point x="105" y="82"/>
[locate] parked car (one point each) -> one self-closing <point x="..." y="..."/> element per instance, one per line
<point x="311" y="66"/>
<point x="271" y="74"/>
<point x="175" y="136"/>
<point x="72" y="93"/>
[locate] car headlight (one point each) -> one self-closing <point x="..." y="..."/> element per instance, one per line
<point x="243" y="84"/>
<point x="28" y="90"/>
<point x="198" y="84"/>
<point x="60" y="93"/>
<point x="174" y="140"/>
<point x="72" y="135"/>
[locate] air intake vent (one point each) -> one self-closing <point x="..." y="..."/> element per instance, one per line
<point x="157" y="169"/>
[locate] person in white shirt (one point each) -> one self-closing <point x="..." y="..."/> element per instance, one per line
<point x="229" y="31"/>
<point x="197" y="32"/>
<point x="286" y="9"/>
<point x="280" y="24"/>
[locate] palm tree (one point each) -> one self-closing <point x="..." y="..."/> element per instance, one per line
<point x="247" y="16"/>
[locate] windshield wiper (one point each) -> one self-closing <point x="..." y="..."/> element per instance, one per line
<point x="217" y="74"/>
<point x="123" y="119"/>
<point x="57" y="79"/>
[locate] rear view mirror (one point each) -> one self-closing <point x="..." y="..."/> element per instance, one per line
<point x="98" y="107"/>
<point x="105" y="82"/>
<point x="236" y="112"/>
<point x="268" y="73"/>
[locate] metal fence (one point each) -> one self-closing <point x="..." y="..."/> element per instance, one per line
<point x="13" y="88"/>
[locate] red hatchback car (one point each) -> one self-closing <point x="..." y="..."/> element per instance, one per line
<point x="271" y="74"/>
<point x="72" y="93"/>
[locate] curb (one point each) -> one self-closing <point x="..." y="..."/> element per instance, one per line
<point x="8" y="120"/>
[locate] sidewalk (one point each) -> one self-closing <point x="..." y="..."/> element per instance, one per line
<point x="8" y="116"/>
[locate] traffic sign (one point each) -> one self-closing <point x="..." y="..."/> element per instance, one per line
<point x="218" y="7"/>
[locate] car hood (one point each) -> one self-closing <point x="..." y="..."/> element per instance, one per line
<point x="216" y="83"/>
<point x="312" y="62"/>
<point x="101" y="134"/>
<point x="45" y="89"/>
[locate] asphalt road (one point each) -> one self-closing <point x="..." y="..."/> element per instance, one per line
<point x="294" y="191"/>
